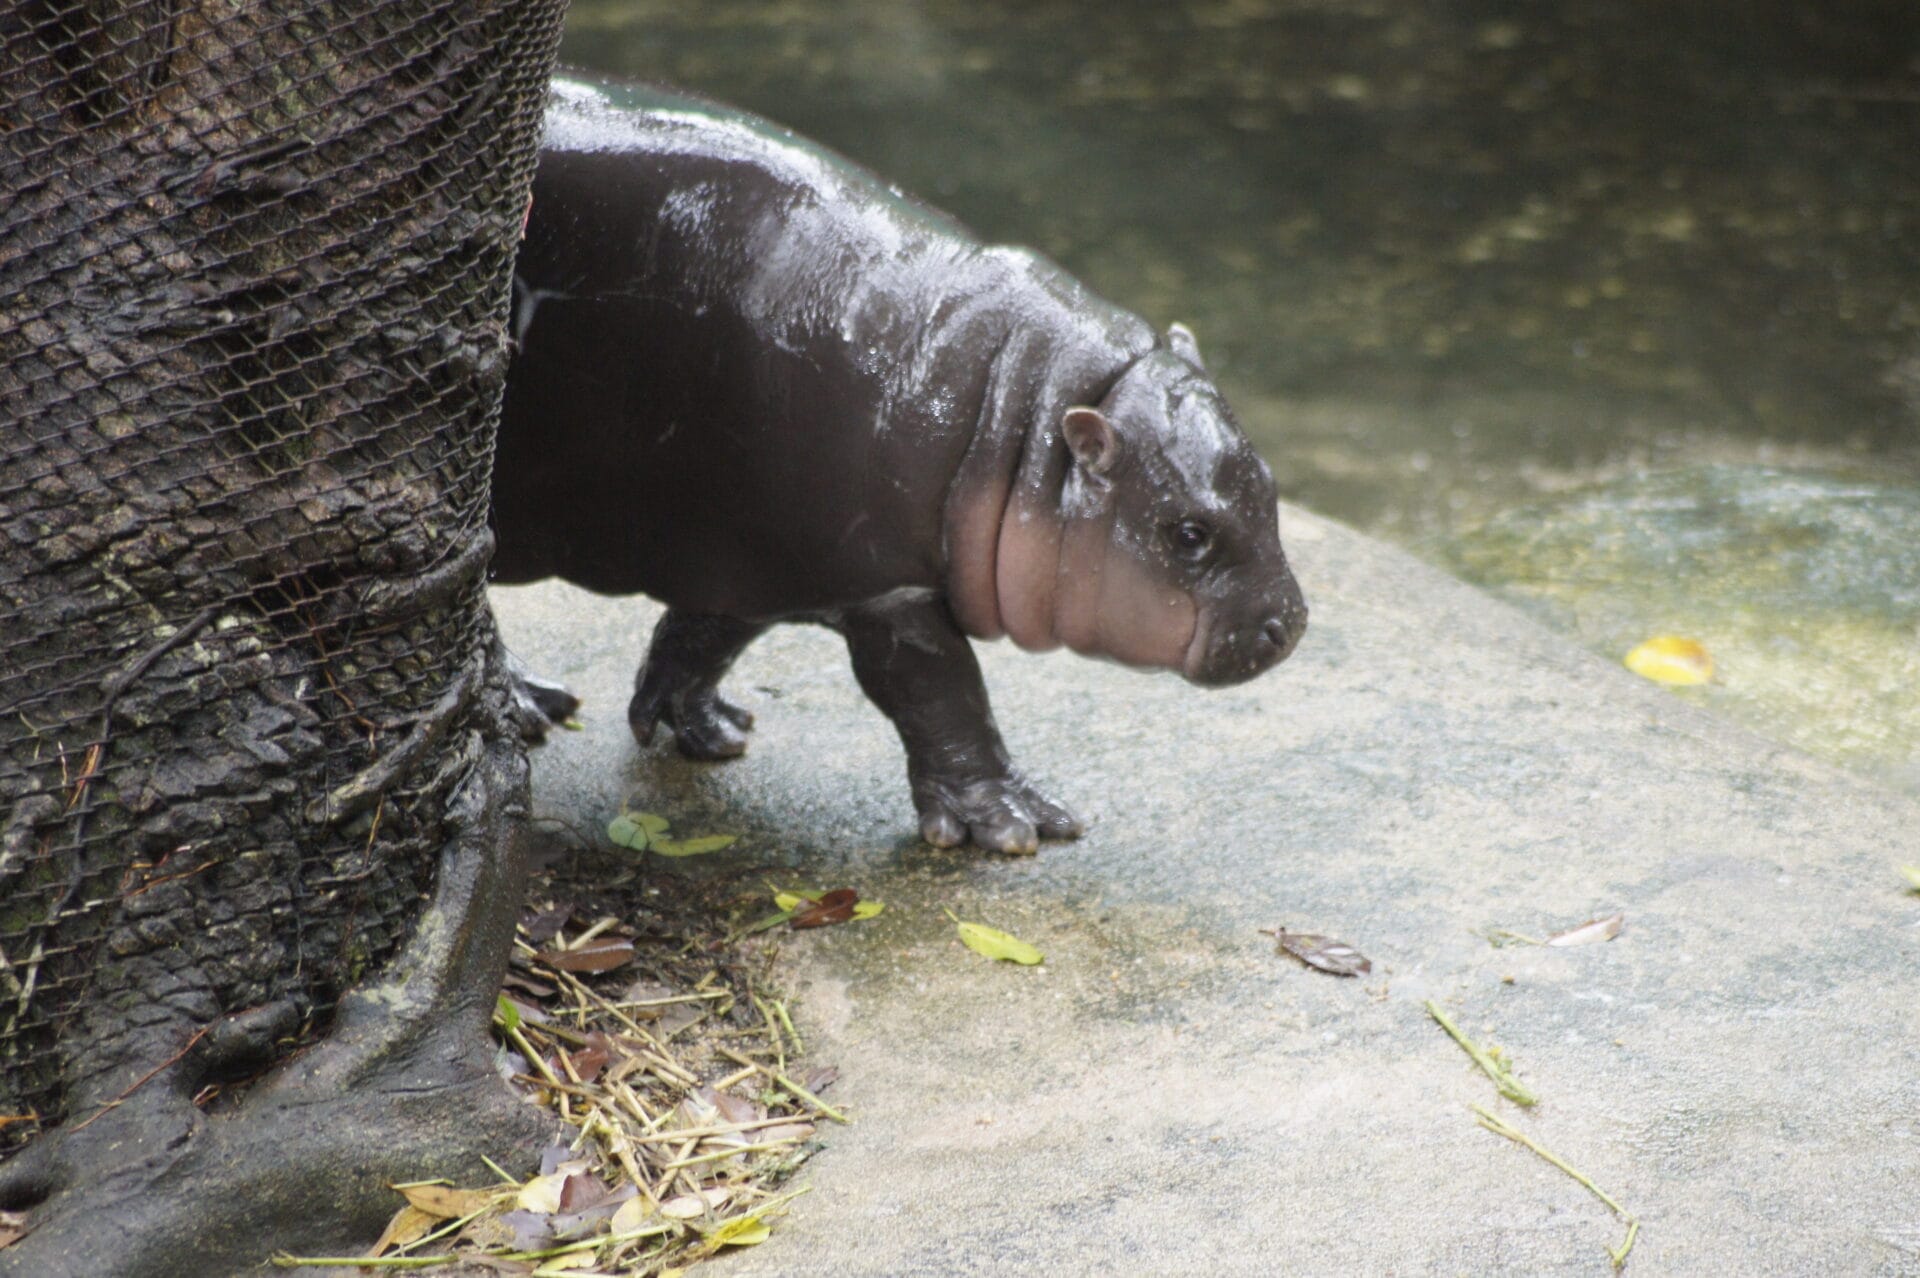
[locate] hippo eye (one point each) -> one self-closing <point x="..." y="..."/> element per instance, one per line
<point x="1191" y="538"/>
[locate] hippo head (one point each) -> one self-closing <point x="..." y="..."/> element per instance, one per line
<point x="1167" y="535"/>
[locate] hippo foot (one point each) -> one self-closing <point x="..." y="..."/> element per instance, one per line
<point x="705" y="724"/>
<point x="1001" y="814"/>
<point x="537" y="703"/>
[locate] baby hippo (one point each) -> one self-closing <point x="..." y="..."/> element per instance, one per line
<point x="759" y="384"/>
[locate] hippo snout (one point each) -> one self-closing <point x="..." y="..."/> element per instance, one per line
<point x="1282" y="631"/>
<point x="1226" y="653"/>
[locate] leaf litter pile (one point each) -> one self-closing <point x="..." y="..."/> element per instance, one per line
<point x="673" y="1069"/>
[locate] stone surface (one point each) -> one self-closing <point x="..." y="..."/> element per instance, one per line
<point x="1741" y="1068"/>
<point x="1805" y="588"/>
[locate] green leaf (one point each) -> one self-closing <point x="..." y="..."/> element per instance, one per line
<point x="637" y="830"/>
<point x="866" y="909"/>
<point x="741" y="1231"/>
<point x="790" y="901"/>
<point x="1913" y="875"/>
<point x="693" y="847"/>
<point x="506" y="1013"/>
<point x="995" y="944"/>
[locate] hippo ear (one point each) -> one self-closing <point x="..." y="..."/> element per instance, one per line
<point x="1182" y="342"/>
<point x="1090" y="437"/>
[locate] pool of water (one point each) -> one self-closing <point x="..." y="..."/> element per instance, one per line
<point x="1460" y="266"/>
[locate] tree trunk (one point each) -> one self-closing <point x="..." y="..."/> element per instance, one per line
<point x="255" y="741"/>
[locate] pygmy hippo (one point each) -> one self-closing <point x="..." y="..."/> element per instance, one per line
<point x="759" y="384"/>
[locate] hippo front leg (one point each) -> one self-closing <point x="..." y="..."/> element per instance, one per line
<point x="680" y="683"/>
<point x="916" y="665"/>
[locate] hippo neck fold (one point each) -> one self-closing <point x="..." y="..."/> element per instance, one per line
<point x="1004" y="513"/>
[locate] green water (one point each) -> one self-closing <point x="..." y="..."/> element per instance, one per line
<point x="1462" y="268"/>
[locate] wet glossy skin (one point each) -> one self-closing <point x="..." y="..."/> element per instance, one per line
<point x="761" y="386"/>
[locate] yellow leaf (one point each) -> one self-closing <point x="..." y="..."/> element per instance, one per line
<point x="631" y="1214"/>
<point x="692" y="847"/>
<point x="1913" y="875"/>
<point x="542" y="1193"/>
<point x="866" y="909"/>
<point x="566" y="1262"/>
<point x="995" y="944"/>
<point x="792" y="900"/>
<point x="1672" y="660"/>
<point x="444" y="1202"/>
<point x="741" y="1231"/>
<point x="409" y="1224"/>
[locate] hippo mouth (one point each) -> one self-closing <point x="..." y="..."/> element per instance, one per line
<point x="1217" y="659"/>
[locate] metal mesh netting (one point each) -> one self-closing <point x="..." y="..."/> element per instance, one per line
<point x="254" y="263"/>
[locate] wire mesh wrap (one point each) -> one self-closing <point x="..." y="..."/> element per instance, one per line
<point x="254" y="271"/>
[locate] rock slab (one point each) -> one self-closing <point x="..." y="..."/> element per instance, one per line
<point x="1167" y="1095"/>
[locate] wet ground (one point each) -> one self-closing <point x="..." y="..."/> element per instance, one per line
<point x="1458" y="265"/>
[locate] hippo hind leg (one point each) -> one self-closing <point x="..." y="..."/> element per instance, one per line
<point x="915" y="664"/>
<point x="679" y="684"/>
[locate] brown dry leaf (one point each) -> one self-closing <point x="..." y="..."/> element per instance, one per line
<point x="1323" y="952"/>
<point x="581" y="1191"/>
<point x="444" y="1202"/>
<point x="13" y="1227"/>
<point x="409" y="1224"/>
<point x="588" y="1062"/>
<point x="601" y="954"/>
<point x="1592" y="932"/>
<point x="737" y="1109"/>
<point x="832" y="907"/>
<point x="543" y="925"/>
<point x="783" y="1131"/>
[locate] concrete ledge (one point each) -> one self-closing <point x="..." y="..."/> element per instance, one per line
<point x="1741" y="1068"/>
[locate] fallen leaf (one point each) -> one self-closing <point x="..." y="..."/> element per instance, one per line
<point x="995" y="944"/>
<point x="688" y="1206"/>
<point x="566" y="1262"/>
<point x="444" y="1202"/>
<point x="632" y="1214"/>
<point x="866" y="909"/>
<point x="1913" y="876"/>
<point x="13" y="1227"/>
<point x="741" y="1231"/>
<point x="791" y="901"/>
<point x="409" y="1224"/>
<point x="1323" y="952"/>
<point x="581" y="1191"/>
<point x="557" y="1159"/>
<point x="636" y="829"/>
<point x="531" y="1229"/>
<point x="507" y="1012"/>
<point x="693" y="847"/>
<point x="1591" y="932"/>
<point x="1670" y="659"/>
<point x="832" y="907"/>
<point x="601" y="954"/>
<point x="590" y="1060"/>
<point x="542" y="1193"/>
<point x="543" y="925"/>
